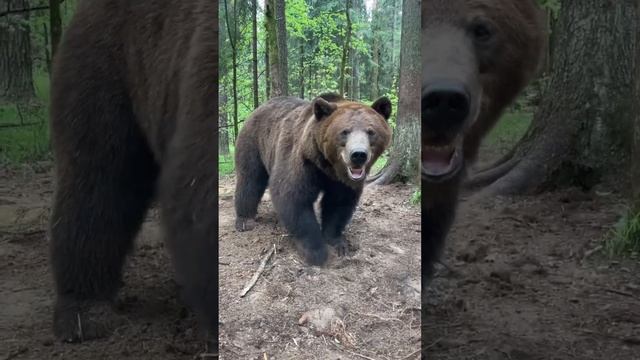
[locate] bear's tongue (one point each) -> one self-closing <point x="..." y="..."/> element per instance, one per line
<point x="438" y="161"/>
<point x="356" y="173"/>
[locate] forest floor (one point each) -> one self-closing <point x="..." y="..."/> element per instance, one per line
<point x="370" y="299"/>
<point x="524" y="282"/>
<point x="525" y="279"/>
<point x="365" y="305"/>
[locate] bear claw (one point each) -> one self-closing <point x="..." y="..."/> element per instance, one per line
<point x="75" y="322"/>
<point x="245" y="224"/>
<point x="316" y="256"/>
<point x="340" y="245"/>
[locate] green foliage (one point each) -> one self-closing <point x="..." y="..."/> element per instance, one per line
<point x="416" y="197"/>
<point x="316" y="32"/>
<point x="226" y="165"/>
<point x="508" y="131"/>
<point x="552" y="5"/>
<point x="24" y="128"/>
<point x="624" y="238"/>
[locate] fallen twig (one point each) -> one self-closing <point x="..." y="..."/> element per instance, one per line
<point x="257" y="274"/>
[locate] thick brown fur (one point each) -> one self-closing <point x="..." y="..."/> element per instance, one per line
<point x="495" y="67"/>
<point x="133" y="119"/>
<point x="294" y="147"/>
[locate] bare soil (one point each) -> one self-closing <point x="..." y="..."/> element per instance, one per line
<point x="524" y="282"/>
<point x="362" y="306"/>
<point x="158" y="327"/>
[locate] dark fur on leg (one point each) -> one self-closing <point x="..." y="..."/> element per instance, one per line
<point x="189" y="184"/>
<point x="101" y="199"/>
<point x="251" y="183"/>
<point x="138" y="93"/>
<point x="439" y="204"/>
<point x="295" y="209"/>
<point x="337" y="207"/>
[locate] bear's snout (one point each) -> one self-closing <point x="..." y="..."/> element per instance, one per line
<point x="359" y="157"/>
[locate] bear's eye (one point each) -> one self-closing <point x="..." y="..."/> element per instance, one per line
<point x="481" y="32"/>
<point x="370" y="132"/>
<point x="344" y="133"/>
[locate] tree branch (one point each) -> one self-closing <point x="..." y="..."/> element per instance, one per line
<point x="11" y="11"/>
<point x="20" y="11"/>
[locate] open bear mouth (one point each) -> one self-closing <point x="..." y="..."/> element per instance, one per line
<point x="441" y="162"/>
<point x="356" y="173"/>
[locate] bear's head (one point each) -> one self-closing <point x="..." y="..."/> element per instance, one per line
<point x="350" y="136"/>
<point x="477" y="55"/>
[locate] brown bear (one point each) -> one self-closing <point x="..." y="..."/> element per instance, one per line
<point x="133" y="118"/>
<point x="301" y="149"/>
<point x="477" y="55"/>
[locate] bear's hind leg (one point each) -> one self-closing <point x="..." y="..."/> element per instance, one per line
<point x="251" y="183"/>
<point x="105" y="182"/>
<point x="337" y="207"/>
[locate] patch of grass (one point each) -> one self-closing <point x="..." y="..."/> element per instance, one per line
<point x="416" y="197"/>
<point x="380" y="163"/>
<point x="226" y="164"/>
<point x="24" y="128"/>
<point x="508" y="131"/>
<point x="624" y="238"/>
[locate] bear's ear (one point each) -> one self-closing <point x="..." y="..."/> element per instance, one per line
<point x="322" y="108"/>
<point x="383" y="107"/>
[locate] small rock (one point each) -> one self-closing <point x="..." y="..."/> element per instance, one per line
<point x="320" y="320"/>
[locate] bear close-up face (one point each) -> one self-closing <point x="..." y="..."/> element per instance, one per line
<point x="476" y="55"/>
<point x="352" y="136"/>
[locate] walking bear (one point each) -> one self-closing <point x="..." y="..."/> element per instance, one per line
<point x="301" y="149"/>
<point x="133" y="118"/>
<point x="477" y="55"/>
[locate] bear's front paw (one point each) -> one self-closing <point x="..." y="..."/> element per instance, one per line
<point x="340" y="244"/>
<point x="76" y="321"/>
<point x="316" y="255"/>
<point x="245" y="224"/>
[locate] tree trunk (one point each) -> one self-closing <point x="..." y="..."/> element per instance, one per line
<point x="47" y="54"/>
<point x="301" y="69"/>
<point x="254" y="50"/>
<point x="55" y="25"/>
<point x="277" y="46"/>
<point x="579" y="135"/>
<point x="223" y="122"/>
<point x="232" y="30"/>
<point x="267" y="64"/>
<point x="635" y="155"/>
<point x="345" y="50"/>
<point x="375" y="68"/>
<point x="281" y="36"/>
<point x="354" y="56"/>
<point x="16" y="77"/>
<point x="404" y="160"/>
<point x="355" y="83"/>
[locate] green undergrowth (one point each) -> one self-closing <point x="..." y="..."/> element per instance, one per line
<point x="508" y="131"/>
<point x="24" y="128"/>
<point x="624" y="238"/>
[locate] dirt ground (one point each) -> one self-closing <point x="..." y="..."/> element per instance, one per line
<point x="523" y="282"/>
<point x="158" y="327"/>
<point x="369" y="300"/>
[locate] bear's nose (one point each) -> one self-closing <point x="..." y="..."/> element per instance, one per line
<point x="358" y="157"/>
<point x="445" y="106"/>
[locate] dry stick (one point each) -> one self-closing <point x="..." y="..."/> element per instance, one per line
<point x="257" y="274"/>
